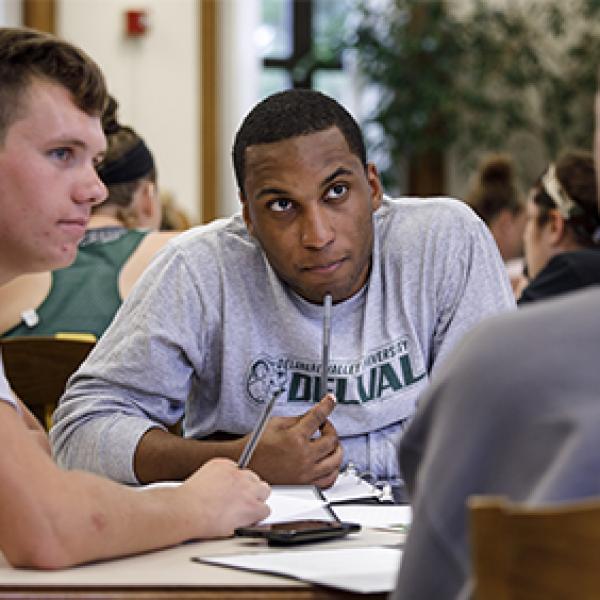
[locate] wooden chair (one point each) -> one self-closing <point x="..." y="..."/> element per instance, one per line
<point x="535" y="553"/>
<point x="37" y="368"/>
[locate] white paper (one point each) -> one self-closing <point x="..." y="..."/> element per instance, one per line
<point x="301" y="504"/>
<point x="350" y="487"/>
<point x="395" y="517"/>
<point x="363" y="570"/>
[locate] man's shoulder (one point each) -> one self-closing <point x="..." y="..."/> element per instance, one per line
<point x="411" y="222"/>
<point x="538" y="329"/>
<point x="225" y="228"/>
<point x="413" y="209"/>
<point x="213" y="249"/>
<point x="225" y="237"/>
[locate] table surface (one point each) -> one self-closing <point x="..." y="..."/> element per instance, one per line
<point x="170" y="573"/>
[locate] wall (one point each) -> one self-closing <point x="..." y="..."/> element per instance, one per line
<point x="10" y="12"/>
<point x="239" y="68"/>
<point x="156" y="79"/>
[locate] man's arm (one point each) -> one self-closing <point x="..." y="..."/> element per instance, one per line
<point x="51" y="518"/>
<point x="288" y="451"/>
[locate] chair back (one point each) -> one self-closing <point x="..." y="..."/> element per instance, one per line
<point x="535" y="553"/>
<point x="38" y="367"/>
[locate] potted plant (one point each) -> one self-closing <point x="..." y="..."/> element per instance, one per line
<point x="472" y="80"/>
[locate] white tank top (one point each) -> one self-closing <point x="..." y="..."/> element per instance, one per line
<point x="6" y="394"/>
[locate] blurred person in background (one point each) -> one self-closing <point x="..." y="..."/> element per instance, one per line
<point x="562" y="235"/>
<point x="120" y="241"/>
<point x="173" y="217"/>
<point x="495" y="197"/>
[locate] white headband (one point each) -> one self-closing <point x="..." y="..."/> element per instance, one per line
<point x="564" y="203"/>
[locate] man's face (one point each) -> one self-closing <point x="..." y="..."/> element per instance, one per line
<point x="48" y="181"/>
<point x="309" y="203"/>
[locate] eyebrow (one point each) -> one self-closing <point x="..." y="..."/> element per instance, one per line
<point x="278" y="191"/>
<point x="68" y="141"/>
<point x="339" y="171"/>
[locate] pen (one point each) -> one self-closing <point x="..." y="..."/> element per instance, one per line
<point x="257" y="431"/>
<point x="325" y="349"/>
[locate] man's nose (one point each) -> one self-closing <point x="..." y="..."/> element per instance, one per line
<point x="90" y="189"/>
<point x="317" y="230"/>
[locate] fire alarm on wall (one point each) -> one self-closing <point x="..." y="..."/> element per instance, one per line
<point x="136" y="22"/>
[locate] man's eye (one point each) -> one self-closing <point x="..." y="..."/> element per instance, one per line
<point x="62" y="154"/>
<point x="337" y="191"/>
<point x="280" y="205"/>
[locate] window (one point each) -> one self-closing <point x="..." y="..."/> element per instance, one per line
<point x="301" y="45"/>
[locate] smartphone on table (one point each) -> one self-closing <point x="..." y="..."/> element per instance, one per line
<point x="298" y="532"/>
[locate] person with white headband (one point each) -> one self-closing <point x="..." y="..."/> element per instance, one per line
<point x="562" y="233"/>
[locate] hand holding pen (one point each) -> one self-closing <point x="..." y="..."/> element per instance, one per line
<point x="287" y="450"/>
<point x="257" y="431"/>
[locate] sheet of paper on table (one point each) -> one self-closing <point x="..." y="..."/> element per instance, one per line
<point x="304" y="502"/>
<point x="349" y="486"/>
<point x="293" y="502"/>
<point x="392" y="517"/>
<point x="364" y="570"/>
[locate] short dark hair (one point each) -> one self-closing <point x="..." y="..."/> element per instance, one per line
<point x="27" y="54"/>
<point x="290" y="114"/>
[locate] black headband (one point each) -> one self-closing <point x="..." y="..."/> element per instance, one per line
<point x="134" y="164"/>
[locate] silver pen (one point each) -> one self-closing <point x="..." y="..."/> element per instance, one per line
<point x="327" y="300"/>
<point x="258" y="429"/>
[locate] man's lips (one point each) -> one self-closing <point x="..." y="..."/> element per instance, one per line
<point x="324" y="267"/>
<point x="75" y="227"/>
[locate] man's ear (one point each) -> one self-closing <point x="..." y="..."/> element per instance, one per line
<point x="375" y="185"/>
<point x="246" y="213"/>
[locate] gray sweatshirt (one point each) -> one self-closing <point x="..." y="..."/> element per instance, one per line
<point x="210" y="330"/>
<point x="513" y="413"/>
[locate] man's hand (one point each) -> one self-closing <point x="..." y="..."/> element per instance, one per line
<point x="221" y="497"/>
<point x="300" y="450"/>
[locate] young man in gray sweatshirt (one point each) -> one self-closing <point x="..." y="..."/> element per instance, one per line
<point x="232" y="310"/>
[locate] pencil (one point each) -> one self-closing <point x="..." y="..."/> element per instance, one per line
<point x="326" y="339"/>
<point x="257" y="431"/>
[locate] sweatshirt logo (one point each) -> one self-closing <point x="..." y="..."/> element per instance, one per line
<point x="382" y="372"/>
<point x="265" y="378"/>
